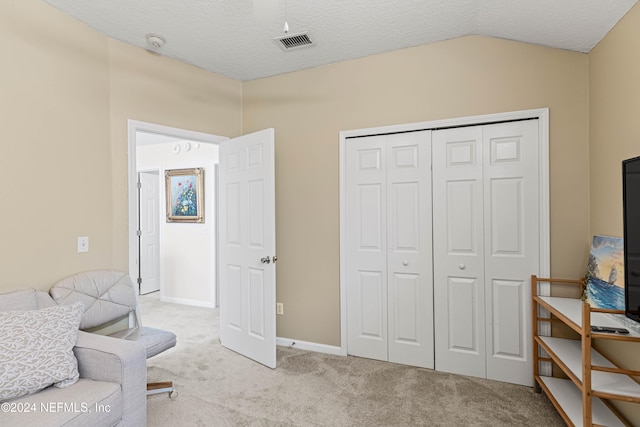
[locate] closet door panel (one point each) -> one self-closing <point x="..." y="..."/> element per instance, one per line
<point x="369" y="215"/>
<point x="511" y="245"/>
<point x="508" y="314"/>
<point x="366" y="248"/>
<point x="409" y="255"/>
<point x="370" y="288"/>
<point x="458" y="227"/>
<point x="463" y="318"/>
<point x="462" y="217"/>
<point x="506" y="216"/>
<point x="406" y="295"/>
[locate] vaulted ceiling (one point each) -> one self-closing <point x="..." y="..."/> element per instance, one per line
<point x="235" y="38"/>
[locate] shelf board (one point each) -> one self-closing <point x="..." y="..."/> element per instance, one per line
<point x="569" y="398"/>
<point x="570" y="352"/>
<point x="572" y="309"/>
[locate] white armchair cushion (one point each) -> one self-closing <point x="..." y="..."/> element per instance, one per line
<point x="36" y="349"/>
<point x="107" y="295"/>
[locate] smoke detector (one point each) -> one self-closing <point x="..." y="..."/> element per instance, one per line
<point x="294" y="41"/>
<point x="156" y="40"/>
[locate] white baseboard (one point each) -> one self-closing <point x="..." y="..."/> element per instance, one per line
<point x="184" y="301"/>
<point x="310" y="346"/>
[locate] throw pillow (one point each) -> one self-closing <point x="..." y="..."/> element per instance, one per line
<point x="36" y="349"/>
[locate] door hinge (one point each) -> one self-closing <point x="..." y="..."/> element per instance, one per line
<point x="139" y="281"/>
<point x="139" y="185"/>
<point x="138" y="233"/>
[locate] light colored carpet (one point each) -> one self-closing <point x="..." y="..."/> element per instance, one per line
<point x="218" y="387"/>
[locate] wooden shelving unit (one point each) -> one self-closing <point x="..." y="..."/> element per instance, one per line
<point x="581" y="400"/>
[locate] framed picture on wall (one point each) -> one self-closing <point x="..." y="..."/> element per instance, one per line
<point x="185" y="195"/>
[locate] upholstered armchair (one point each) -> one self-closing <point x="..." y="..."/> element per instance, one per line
<point x="110" y="295"/>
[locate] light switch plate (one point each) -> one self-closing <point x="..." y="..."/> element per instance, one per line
<point x="83" y="244"/>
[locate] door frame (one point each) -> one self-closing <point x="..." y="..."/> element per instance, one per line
<point x="134" y="126"/>
<point x="541" y="114"/>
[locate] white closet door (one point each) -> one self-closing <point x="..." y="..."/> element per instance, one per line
<point x="366" y="196"/>
<point x="458" y="258"/>
<point x="410" y="283"/>
<point x="389" y="273"/>
<point x="486" y="246"/>
<point x="511" y="246"/>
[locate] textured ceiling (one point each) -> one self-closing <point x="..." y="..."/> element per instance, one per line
<point x="235" y="37"/>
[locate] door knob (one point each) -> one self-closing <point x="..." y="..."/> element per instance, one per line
<point x="265" y="260"/>
<point x="405" y="262"/>
<point x="462" y="266"/>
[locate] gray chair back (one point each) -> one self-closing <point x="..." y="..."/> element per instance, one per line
<point x="107" y="295"/>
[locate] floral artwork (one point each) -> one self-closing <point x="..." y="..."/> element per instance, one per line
<point x="605" y="273"/>
<point x="185" y="199"/>
<point x="184" y="195"/>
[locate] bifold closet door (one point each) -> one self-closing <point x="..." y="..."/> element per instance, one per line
<point x="388" y="241"/>
<point x="486" y="246"/>
<point x="459" y="251"/>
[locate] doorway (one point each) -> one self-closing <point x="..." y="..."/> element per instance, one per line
<point x="179" y="144"/>
<point x="246" y="220"/>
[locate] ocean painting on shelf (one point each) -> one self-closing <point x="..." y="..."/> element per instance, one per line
<point x="605" y="273"/>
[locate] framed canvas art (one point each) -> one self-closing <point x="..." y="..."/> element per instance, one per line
<point x="185" y="195"/>
<point x="605" y="273"/>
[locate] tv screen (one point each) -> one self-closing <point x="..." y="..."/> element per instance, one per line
<point x="631" y="212"/>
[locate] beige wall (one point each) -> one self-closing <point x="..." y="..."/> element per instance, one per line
<point x="55" y="157"/>
<point x="461" y="77"/>
<point x="614" y="114"/>
<point x="67" y="92"/>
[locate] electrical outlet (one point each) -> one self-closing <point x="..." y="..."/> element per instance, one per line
<point x="279" y="308"/>
<point x="83" y="244"/>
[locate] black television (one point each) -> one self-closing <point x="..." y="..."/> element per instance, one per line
<point x="631" y="222"/>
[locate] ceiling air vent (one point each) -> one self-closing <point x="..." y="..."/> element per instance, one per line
<point x="294" y="41"/>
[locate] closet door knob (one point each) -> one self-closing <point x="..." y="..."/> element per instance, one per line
<point x="405" y="262"/>
<point x="462" y="266"/>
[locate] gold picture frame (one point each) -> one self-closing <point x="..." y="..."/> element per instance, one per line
<point x="185" y="195"/>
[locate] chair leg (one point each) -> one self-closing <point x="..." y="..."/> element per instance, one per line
<point x="161" y="387"/>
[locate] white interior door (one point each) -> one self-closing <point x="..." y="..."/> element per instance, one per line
<point x="248" y="246"/>
<point x="149" y="229"/>
<point x="486" y="246"/>
<point x="389" y="274"/>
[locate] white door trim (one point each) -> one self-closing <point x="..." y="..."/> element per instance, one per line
<point x="134" y="126"/>
<point x="542" y="114"/>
